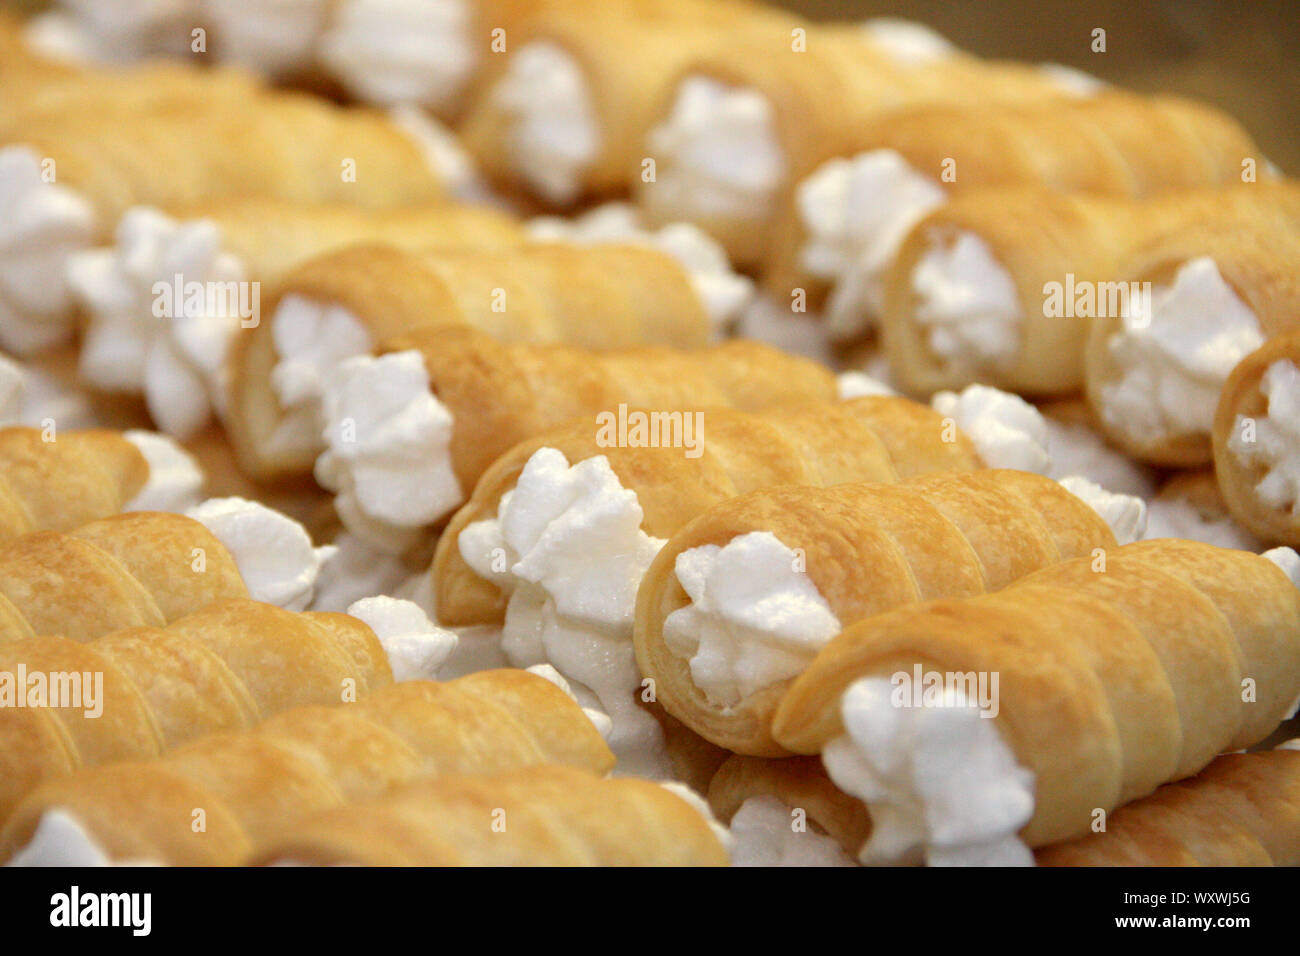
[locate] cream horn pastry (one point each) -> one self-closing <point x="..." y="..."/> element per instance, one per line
<point x="221" y="668"/>
<point x="1115" y="673"/>
<point x="842" y="226"/>
<point x="1241" y="810"/>
<point x="738" y="603"/>
<point x="163" y="302"/>
<point x="344" y="304"/>
<point x="786" y="812"/>
<point x="410" y="431"/>
<point x="1000" y="286"/>
<point x="1256" y="440"/>
<point x="68" y="175"/>
<point x="564" y="116"/>
<point x="1154" y="375"/>
<point x="545" y="816"/>
<point x="746" y="119"/>
<point x="559" y="531"/>
<point x="255" y="784"/>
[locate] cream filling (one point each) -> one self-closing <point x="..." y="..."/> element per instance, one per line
<point x="724" y="293"/>
<point x="1071" y="81"/>
<point x="1170" y="365"/>
<point x="764" y="834"/>
<point x="403" y="51"/>
<point x="13" y="391"/>
<point x="275" y="37"/>
<point x="567" y="546"/>
<point x="416" y="647"/>
<point x="1125" y="514"/>
<point x="599" y="719"/>
<point x="967" y="305"/>
<point x="147" y="331"/>
<point x="442" y="153"/>
<point x="856" y="213"/>
<point x="273" y="553"/>
<point x="719" y="157"/>
<point x="356" y="570"/>
<point x="311" y="340"/>
<point x="554" y="132"/>
<point x="175" y="479"/>
<point x="908" y="43"/>
<point x="1006" y="430"/>
<point x="754" y="618"/>
<point x="121" y="32"/>
<point x="41" y="225"/>
<point x="388" y="450"/>
<point x="700" y="806"/>
<point x="61" y="840"/>
<point x="1275" y="447"/>
<point x="942" y="785"/>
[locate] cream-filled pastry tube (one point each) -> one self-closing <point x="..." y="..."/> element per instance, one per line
<point x="68" y="175"/>
<point x="787" y="812"/>
<point x="343" y="305"/>
<point x="1241" y="810"/>
<point x="555" y="816"/>
<point x="563" y="116"/>
<point x="561" y="529"/>
<point x="223" y="667"/>
<point x="163" y="302"/>
<point x="1154" y="376"/>
<point x="738" y="603"/>
<point x="1001" y="286"/>
<point x="843" y="223"/>
<point x="410" y="431"/>
<point x="255" y="782"/>
<point x="753" y="115"/>
<point x="1256" y="440"/>
<point x="978" y="729"/>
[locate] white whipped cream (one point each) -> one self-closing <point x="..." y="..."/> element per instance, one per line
<point x="311" y="340"/>
<point x="570" y="540"/>
<point x="1126" y="514"/>
<point x="1276" y="448"/>
<point x="1293" y="744"/>
<point x="1071" y="81"/>
<point x="120" y="32"/>
<point x="718" y="153"/>
<point x="1077" y="449"/>
<point x="940" y="782"/>
<point x="908" y="43"/>
<point x="355" y="571"/>
<point x="1178" y="518"/>
<point x="416" y="647"/>
<point x="402" y="51"/>
<point x="1171" y="365"/>
<point x="175" y="478"/>
<point x="388" y="454"/>
<point x="442" y="153"/>
<point x="599" y="719"/>
<point x="755" y="617"/>
<point x="772" y="320"/>
<point x="41" y="225"/>
<point x="60" y="840"/>
<point x="700" y="806"/>
<point x="968" y="303"/>
<point x="1006" y="430"/>
<point x="856" y="384"/>
<point x="1287" y="560"/>
<point x="725" y="293"/>
<point x="273" y="552"/>
<point x="176" y="358"/>
<point x="13" y="391"/>
<point x="274" y="37"/>
<point x="856" y="213"/>
<point x="555" y="133"/>
<point x="763" y="834"/>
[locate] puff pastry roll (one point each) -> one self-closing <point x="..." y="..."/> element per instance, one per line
<point x="1241" y="810"/>
<point x="410" y="431"/>
<point x="1001" y="286"/>
<point x="842" y="226"/>
<point x="1255" y="440"/>
<point x="1102" y="679"/>
<point x="221" y="668"/>
<point x="540" y="816"/>
<point x="739" y="602"/>
<point x="254" y="787"/>
<point x="1217" y="294"/>
<point x="344" y="304"/>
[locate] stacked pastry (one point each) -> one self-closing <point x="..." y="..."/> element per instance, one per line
<point x="870" y="626"/>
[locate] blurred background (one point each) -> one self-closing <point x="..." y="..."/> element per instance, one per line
<point x="1243" y="55"/>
